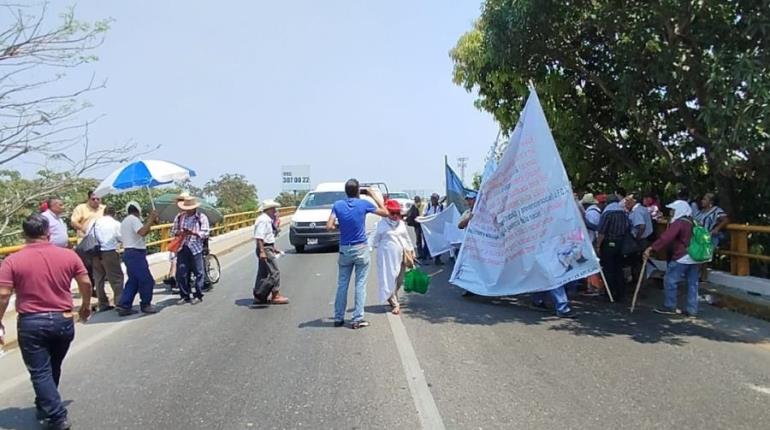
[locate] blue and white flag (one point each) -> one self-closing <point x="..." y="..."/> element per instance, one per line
<point x="455" y="190"/>
<point x="526" y="234"/>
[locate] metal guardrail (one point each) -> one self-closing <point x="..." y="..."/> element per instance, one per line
<point x="230" y="223"/>
<point x="740" y="257"/>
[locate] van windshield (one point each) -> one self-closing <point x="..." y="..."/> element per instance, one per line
<point x="398" y="196"/>
<point x="321" y="199"/>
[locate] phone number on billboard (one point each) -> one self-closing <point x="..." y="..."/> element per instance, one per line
<point x="296" y="179"/>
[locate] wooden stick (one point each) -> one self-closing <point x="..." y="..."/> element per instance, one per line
<point x="606" y="285"/>
<point x="639" y="282"/>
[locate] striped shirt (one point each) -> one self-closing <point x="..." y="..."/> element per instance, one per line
<point x="614" y="222"/>
<point x="710" y="218"/>
<point x="198" y="223"/>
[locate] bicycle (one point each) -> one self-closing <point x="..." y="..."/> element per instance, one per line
<point x="212" y="271"/>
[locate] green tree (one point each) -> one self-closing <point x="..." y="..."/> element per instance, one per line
<point x="638" y="93"/>
<point x="287" y="199"/>
<point x="233" y="193"/>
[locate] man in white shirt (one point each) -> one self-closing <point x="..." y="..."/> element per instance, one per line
<point x="140" y="280"/>
<point x="107" y="263"/>
<point x="268" y="275"/>
<point x="56" y="226"/>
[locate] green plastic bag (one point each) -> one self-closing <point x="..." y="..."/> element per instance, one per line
<point x="416" y="281"/>
<point x="701" y="248"/>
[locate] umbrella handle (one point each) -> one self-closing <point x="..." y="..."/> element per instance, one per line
<point x="152" y="203"/>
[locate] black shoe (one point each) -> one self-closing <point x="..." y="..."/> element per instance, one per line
<point x="339" y="323"/>
<point x="569" y="314"/>
<point x="467" y="293"/>
<point x="106" y="308"/>
<point x="149" y="309"/>
<point x="664" y="311"/>
<point x="359" y="324"/>
<point x="123" y="312"/>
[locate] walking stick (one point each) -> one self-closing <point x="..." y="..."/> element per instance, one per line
<point x="639" y="282"/>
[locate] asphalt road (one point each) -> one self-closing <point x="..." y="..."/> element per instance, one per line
<point x="448" y="362"/>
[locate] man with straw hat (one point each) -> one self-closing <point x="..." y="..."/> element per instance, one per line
<point x="268" y="275"/>
<point x="193" y="226"/>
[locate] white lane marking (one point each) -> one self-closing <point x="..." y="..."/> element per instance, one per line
<point x="763" y="390"/>
<point x="427" y="412"/>
<point x="77" y="347"/>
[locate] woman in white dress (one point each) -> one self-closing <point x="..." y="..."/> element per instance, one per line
<point x="394" y="253"/>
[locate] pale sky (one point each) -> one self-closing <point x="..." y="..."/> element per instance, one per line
<point x="354" y="88"/>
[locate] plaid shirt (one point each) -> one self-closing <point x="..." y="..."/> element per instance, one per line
<point x="198" y="223"/>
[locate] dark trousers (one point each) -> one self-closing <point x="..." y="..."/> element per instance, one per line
<point x="420" y="242"/>
<point x="44" y="339"/>
<point x="268" y="275"/>
<point x="635" y="261"/>
<point x="612" y="265"/>
<point x="88" y="262"/>
<point x="188" y="263"/>
<point x="140" y="279"/>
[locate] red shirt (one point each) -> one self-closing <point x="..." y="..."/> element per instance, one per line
<point x="677" y="235"/>
<point x="41" y="274"/>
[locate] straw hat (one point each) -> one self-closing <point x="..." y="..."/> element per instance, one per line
<point x="589" y="199"/>
<point x="269" y="204"/>
<point x="188" y="204"/>
<point x="184" y="195"/>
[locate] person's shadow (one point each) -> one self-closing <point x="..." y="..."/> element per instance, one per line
<point x="21" y="418"/>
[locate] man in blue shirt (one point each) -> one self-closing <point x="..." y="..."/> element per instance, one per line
<point x="350" y="214"/>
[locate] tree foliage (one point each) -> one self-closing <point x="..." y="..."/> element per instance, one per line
<point x="644" y="94"/>
<point x="286" y="199"/>
<point x="233" y="193"/>
<point x="41" y="117"/>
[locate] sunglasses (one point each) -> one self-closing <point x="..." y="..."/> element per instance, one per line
<point x="95" y="199"/>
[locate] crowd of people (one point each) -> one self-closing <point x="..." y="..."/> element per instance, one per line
<point x="620" y="225"/>
<point x="41" y="273"/>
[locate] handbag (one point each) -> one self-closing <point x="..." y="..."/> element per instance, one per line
<point x="90" y="245"/>
<point x="176" y="244"/>
<point x="417" y="281"/>
<point x="630" y="245"/>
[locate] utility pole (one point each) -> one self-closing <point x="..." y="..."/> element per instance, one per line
<point x="462" y="162"/>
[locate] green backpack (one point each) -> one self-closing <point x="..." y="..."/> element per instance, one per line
<point x="701" y="248"/>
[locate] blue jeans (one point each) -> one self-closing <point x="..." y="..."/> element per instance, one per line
<point x="139" y="279"/>
<point x="674" y="273"/>
<point x="352" y="257"/>
<point x="559" y="297"/>
<point x="186" y="263"/>
<point x="44" y="339"/>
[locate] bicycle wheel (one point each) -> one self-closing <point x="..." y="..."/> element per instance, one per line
<point x="213" y="270"/>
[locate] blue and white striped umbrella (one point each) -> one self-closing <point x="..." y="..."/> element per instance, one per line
<point x="142" y="174"/>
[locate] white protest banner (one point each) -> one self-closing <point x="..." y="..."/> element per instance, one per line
<point x="526" y="234"/>
<point x="439" y="230"/>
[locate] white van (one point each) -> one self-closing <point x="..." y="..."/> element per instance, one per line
<point x="308" y="224"/>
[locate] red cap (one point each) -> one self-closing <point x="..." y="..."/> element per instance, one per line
<point x="393" y="206"/>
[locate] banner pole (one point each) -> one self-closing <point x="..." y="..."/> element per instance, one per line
<point x="606" y="285"/>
